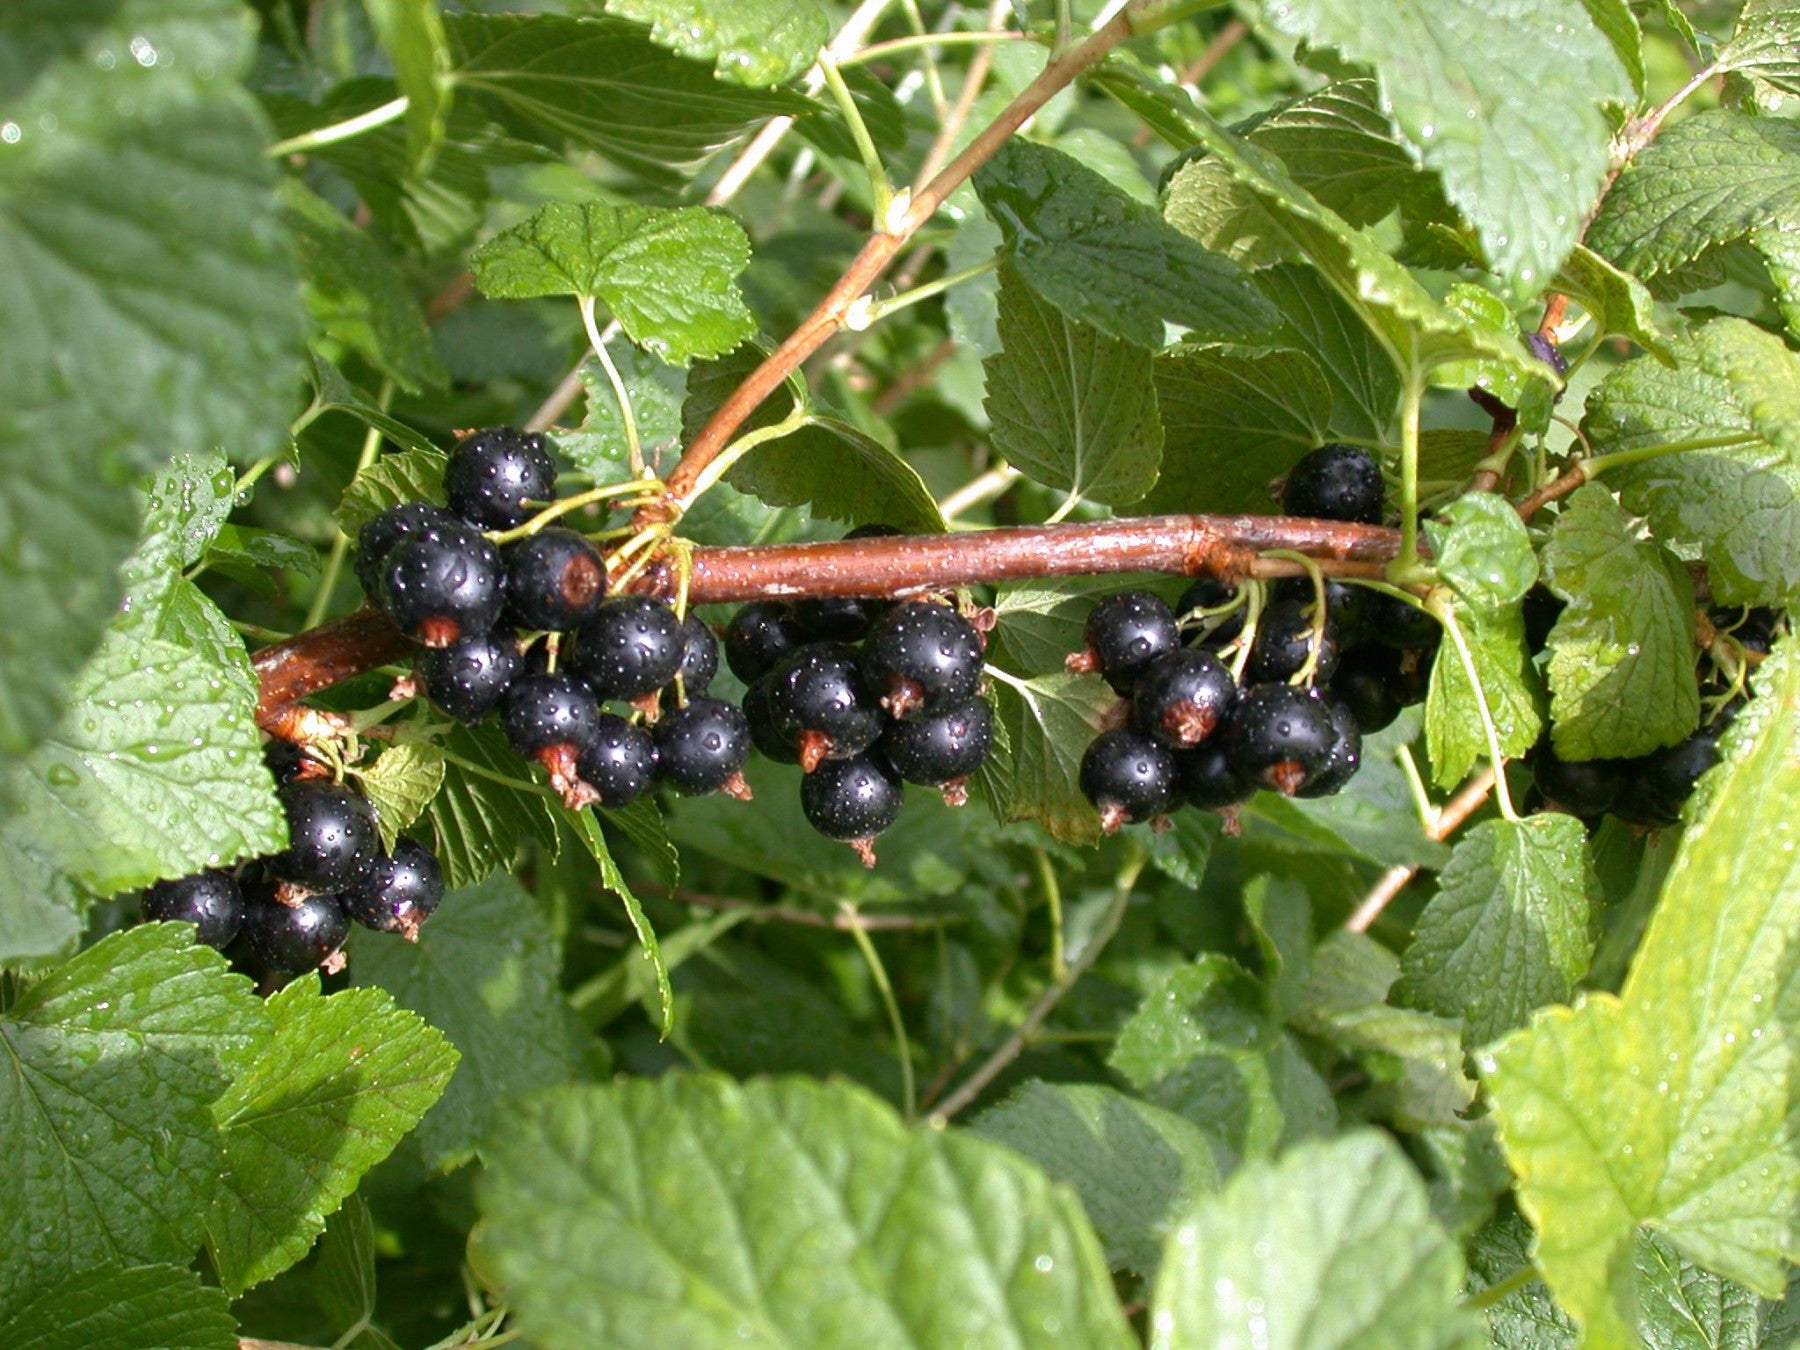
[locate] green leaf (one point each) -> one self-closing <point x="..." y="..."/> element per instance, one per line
<point x="1511" y="927"/>
<point x="839" y="472"/>
<point x="1505" y="101"/>
<point x="602" y="84"/>
<point x="1331" y="1246"/>
<point x="1072" y="408"/>
<point x="1134" y="1165"/>
<point x="753" y="42"/>
<point x="410" y="476"/>
<point x="357" y="294"/>
<point x="1041" y="728"/>
<point x="111" y="1066"/>
<point x="1706" y="180"/>
<point x="598" y="445"/>
<point x="1038" y="622"/>
<point x="411" y="32"/>
<point x="1736" y="390"/>
<point x="120" y="1308"/>
<point x="1109" y="262"/>
<point x="184" y="508"/>
<point x="1622" y="652"/>
<point x="1616" y="20"/>
<point x="1618" y="301"/>
<point x="343" y="1280"/>
<point x="1365" y="386"/>
<point x="497" y="1002"/>
<point x="1483" y="551"/>
<point x="1454" y="737"/>
<point x="485" y="810"/>
<point x="148" y="297"/>
<point x="323" y="1100"/>
<point x="692" y="1211"/>
<point x="401" y="784"/>
<point x="587" y="828"/>
<point x="332" y="392"/>
<point x="1766" y="43"/>
<point x="1234" y="421"/>
<point x="1780" y="249"/>
<point x="1690" y="1126"/>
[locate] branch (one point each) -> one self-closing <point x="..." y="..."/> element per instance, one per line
<point x="1460" y="807"/>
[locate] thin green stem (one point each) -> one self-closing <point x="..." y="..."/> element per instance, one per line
<point x="1599" y="464"/>
<point x="881" y="190"/>
<point x="934" y="79"/>
<point x="1059" y="961"/>
<point x="743" y="445"/>
<point x="556" y="510"/>
<point x="250" y="476"/>
<point x="391" y="111"/>
<point x="340" y="546"/>
<point x="973" y="38"/>
<point x="1413" y="397"/>
<point x="627" y="418"/>
<point x="1440" y="607"/>
<point x="1415" y="784"/>
<point x="1502" y="1288"/>
<point x="878" y="972"/>
<point x="1069" y="503"/>
<point x="1303" y="677"/>
<point x="859" y="317"/>
<point x="517" y="784"/>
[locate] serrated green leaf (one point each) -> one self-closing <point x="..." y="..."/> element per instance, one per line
<point x="1331" y="1246"/>
<point x="667" y="274"/>
<point x="1365" y="386"/>
<point x="1615" y="19"/>
<point x="1072" y="408"/>
<point x="1780" y="250"/>
<point x="238" y="548"/>
<point x="1454" y="736"/>
<point x="839" y="472"/>
<point x="1279" y="913"/>
<point x="1691" y="1127"/>
<point x="1107" y="261"/>
<point x="1622" y="651"/>
<point x="478" y="819"/>
<point x="598" y="446"/>
<point x="1505" y="101"/>
<point x="1037" y="623"/>
<point x="1766" y="43"/>
<point x="1041" y="728"/>
<point x="753" y="42"/>
<point x="343" y="1280"/>
<point x="1134" y="1165"/>
<point x="124" y="1308"/>
<point x="411" y="32"/>
<point x="587" y="829"/>
<point x="111" y="1067"/>
<point x="1483" y="551"/>
<point x="497" y="1001"/>
<point x="184" y="508"/>
<point x="148" y="296"/>
<point x="1510" y="929"/>
<point x="410" y="476"/>
<point x="1618" y="301"/>
<point x="323" y="1100"/>
<point x="677" y="1211"/>
<point x="331" y="391"/>
<point x="400" y="785"/>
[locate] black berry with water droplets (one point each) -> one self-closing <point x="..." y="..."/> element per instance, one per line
<point x="852" y="799"/>
<point x="399" y="892"/>
<point x="1335" y="482"/>
<point x="618" y="761"/>
<point x="554" y="580"/>
<point x="209" y="900"/>
<point x="1582" y="787"/>
<point x="1654" y="787"/>
<point x="764" y="734"/>
<point x="1124" y="634"/>
<point x="1541" y="610"/>
<point x="381" y="533"/>
<point x="1346" y="604"/>
<point x="1210" y="631"/>
<point x="542" y="711"/>
<point x="1394" y="623"/>
<point x="467" y="679"/>
<point x="699" y="656"/>
<point x="1128" y="777"/>
<point x="1285" y="639"/>
<point x="292" y="939"/>
<point x="630" y="647"/>
<point x="759" y="635"/>
<point x="1207" y="778"/>
<point x="1344" y="757"/>
<point x="288" y="762"/>
<point x="1183" y="697"/>
<point x="444" y="586"/>
<point x="833" y="619"/>
<point x="1368" y="679"/>
<point x="1544" y="347"/>
<point x="1280" y="737"/>
<point x="494" y="473"/>
<point x="942" y="747"/>
<point x="702" y="747"/>
<point x="920" y="657"/>
<point x="332" y="836"/>
<point x="818" y="703"/>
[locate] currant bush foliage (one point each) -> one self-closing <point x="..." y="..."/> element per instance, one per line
<point x="1428" y="1063"/>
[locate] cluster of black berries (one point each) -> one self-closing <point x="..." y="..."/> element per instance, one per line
<point x="292" y="911"/>
<point x="1193" y="734"/>
<point x="527" y="630"/>
<point x="863" y="695"/>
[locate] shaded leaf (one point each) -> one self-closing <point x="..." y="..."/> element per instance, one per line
<point x="753" y="42"/>
<point x="124" y="1308"/>
<point x="412" y="34"/>
<point x="400" y="785"/>
<point x="1454" y="735"/>
<point x="1041" y="728"/>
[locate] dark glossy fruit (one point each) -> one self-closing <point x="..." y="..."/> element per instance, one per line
<point x="1412" y="674"/>
<point x="920" y="658"/>
<point x="444" y="586"/>
<point x="851" y="799"/>
<point x="818" y="703"/>
<point x="332" y="836"/>
<point x="699" y="655"/>
<point x="1368" y="679"/>
<point x="630" y="647"/>
<point x="380" y="533"/>
<point x="1654" y="787"/>
<point x="541" y="711"/>
<point x="399" y="892"/>
<point x="1541" y="610"/>
<point x="1125" y="633"/>
<point x="467" y="679"/>
<point x="758" y="636"/>
<point x="1284" y="640"/>
<point x="1183" y="697"/>
<point x="289" y="762"/>
<point x="1394" y="623"/>
<point x="618" y="761"/>
<point x="943" y="747"/>
<point x="494" y="473"/>
<point x="834" y="619"/>
<point x="1345" y="756"/>
<point x="702" y="747"/>
<point x="1128" y="777"/>
<point x="209" y="900"/>
<point x="1585" y="787"/>
<point x="1205" y="777"/>
<point x="554" y="580"/>
<point x="293" y="939"/>
<point x="1335" y="482"/>
<point x="1347" y="605"/>
<point x="764" y="734"/>
<point x="1213" y="630"/>
<point x="1280" y="737"/>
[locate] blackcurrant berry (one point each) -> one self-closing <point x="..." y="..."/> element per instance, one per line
<point x="702" y="747"/>
<point x="943" y="747"/>
<point x="554" y="580"/>
<point x="853" y="800"/>
<point x="1128" y="777"/>
<point x="380" y="533"/>
<point x="442" y="587"/>
<point x="1345" y="756"/>
<point x="1124" y="634"/>
<point x="209" y="900"/>
<point x="1541" y="611"/>
<point x="1205" y="777"/>
<point x="1394" y="623"/>
<point x="332" y="836"/>
<point x="1182" y="697"/>
<point x="1210" y="631"/>
<point x="818" y="703"/>
<point x="833" y="618"/>
<point x="1335" y="482"/>
<point x="921" y="657"/>
<point x="1584" y="787"/>
<point x="1280" y="737"/>
<point x="764" y="734"/>
<point x="288" y="762"/>
<point x="1753" y="629"/>
<point x="545" y="711"/>
<point x="1346" y="604"/>
<point x="467" y="679"/>
<point x="618" y="762"/>
<point x="1368" y="679"/>
<point x="494" y="473"/>
<point x="1284" y="639"/>
<point x="398" y="893"/>
<point x="630" y="647"/>
<point x="699" y="655"/>
<point x="292" y="939"/>
<point x="1654" y="787"/>
<point x="758" y="636"/>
